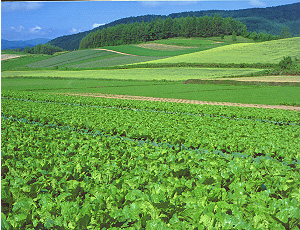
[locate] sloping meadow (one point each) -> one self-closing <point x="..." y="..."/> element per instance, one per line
<point x="263" y="52"/>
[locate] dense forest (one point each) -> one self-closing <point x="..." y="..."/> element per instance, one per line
<point x="162" y="29"/>
<point x="266" y="20"/>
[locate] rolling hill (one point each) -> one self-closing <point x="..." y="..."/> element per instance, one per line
<point x="264" y="52"/>
<point x="268" y="20"/>
<point x="121" y="55"/>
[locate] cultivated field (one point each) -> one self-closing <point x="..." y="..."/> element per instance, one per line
<point x="87" y="162"/>
<point x="145" y="148"/>
<point x="170" y="74"/>
<point x="264" y="52"/>
<point x="247" y="94"/>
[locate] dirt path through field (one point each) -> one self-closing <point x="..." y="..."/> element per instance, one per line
<point x="142" y="98"/>
<point x="9" y="56"/>
<point x="116" y="52"/>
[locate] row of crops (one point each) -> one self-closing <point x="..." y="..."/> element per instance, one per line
<point x="72" y="162"/>
<point x="72" y="58"/>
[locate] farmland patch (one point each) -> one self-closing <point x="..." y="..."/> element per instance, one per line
<point x="157" y="46"/>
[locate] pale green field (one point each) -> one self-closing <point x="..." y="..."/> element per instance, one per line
<point x="170" y="74"/>
<point x="264" y="52"/>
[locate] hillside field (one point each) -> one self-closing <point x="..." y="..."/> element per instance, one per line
<point x="264" y="52"/>
<point x="95" y="58"/>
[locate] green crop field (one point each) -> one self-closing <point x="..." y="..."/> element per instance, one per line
<point x="117" y="60"/>
<point x="264" y="52"/>
<point x="17" y="63"/>
<point x="202" y="42"/>
<point x="170" y="74"/>
<point x="73" y="58"/>
<point x="255" y="94"/>
<point x="72" y="162"/>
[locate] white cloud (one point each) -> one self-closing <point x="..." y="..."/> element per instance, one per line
<point x="97" y="25"/>
<point x="257" y="3"/>
<point x="35" y="29"/>
<point x="17" y="29"/>
<point x="75" y="31"/>
<point x="20" y="6"/>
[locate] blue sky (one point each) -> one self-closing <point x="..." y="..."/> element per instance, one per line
<point x="29" y="20"/>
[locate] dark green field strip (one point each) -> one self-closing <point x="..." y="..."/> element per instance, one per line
<point x="16" y="63"/>
<point x="70" y="58"/>
<point x="269" y="95"/>
<point x="198" y="132"/>
<point x="277" y="116"/>
<point x="59" y="84"/>
<point x="135" y="50"/>
<point x="114" y="61"/>
<point x="60" y="179"/>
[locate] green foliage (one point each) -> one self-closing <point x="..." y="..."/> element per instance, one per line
<point x="43" y="49"/>
<point x="59" y="171"/>
<point x="234" y="39"/>
<point x="285" y="33"/>
<point x="161" y="29"/>
<point x="286" y="63"/>
<point x="268" y="20"/>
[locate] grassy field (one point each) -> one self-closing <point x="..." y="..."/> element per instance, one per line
<point x="202" y="42"/>
<point x="264" y="52"/>
<point x="272" y="95"/>
<point x="170" y="74"/>
<point x="17" y="63"/>
<point x="73" y="58"/>
<point x="193" y="44"/>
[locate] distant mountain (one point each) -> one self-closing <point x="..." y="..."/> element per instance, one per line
<point x="5" y="44"/>
<point x="267" y="20"/>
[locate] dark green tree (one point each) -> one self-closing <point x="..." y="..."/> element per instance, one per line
<point x="285" y="33"/>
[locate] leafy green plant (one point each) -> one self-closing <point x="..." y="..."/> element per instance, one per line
<point x="286" y="63"/>
<point x="87" y="163"/>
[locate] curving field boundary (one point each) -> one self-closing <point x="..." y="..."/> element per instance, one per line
<point x="115" y="52"/>
<point x="142" y="98"/>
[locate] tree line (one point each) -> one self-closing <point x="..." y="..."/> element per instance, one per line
<point x="207" y="26"/>
<point x="39" y="49"/>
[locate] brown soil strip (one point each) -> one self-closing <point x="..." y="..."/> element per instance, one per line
<point x="9" y="56"/>
<point x="142" y="98"/>
<point x="163" y="47"/>
<point x="266" y="79"/>
<point x="116" y="52"/>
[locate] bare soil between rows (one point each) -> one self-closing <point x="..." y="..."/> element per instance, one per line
<point x="142" y="98"/>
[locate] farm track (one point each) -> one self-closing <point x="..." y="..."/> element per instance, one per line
<point x="116" y="52"/>
<point x="142" y="98"/>
<point x="9" y="56"/>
